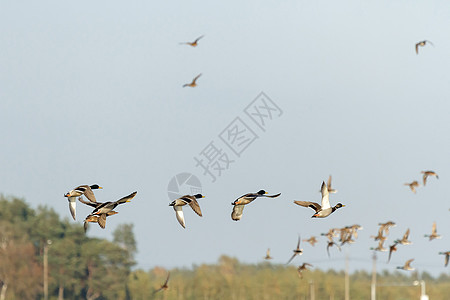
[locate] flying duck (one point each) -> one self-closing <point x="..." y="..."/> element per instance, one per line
<point x="108" y="206"/>
<point x="194" y="43"/>
<point x="323" y="210"/>
<point x="426" y="174"/>
<point x="193" y="82"/>
<point x="433" y="234"/>
<point x="267" y="257"/>
<point x="413" y="185"/>
<point x="447" y="255"/>
<point x="312" y="240"/>
<point x="164" y="286"/>
<point x="392" y="248"/>
<point x="297" y="251"/>
<point x="100" y="219"/>
<point x="77" y="192"/>
<point x="182" y="201"/>
<point x="239" y="203"/>
<point x="422" y="44"/>
<point x="301" y="268"/>
<point x="407" y="266"/>
<point x="404" y="240"/>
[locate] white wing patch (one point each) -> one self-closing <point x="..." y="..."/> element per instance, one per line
<point x="180" y="215"/>
<point x="73" y="207"/>
<point x="325" y="197"/>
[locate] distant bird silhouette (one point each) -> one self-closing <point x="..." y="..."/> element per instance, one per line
<point x="422" y="44"/>
<point x="433" y="234"/>
<point x="194" y="43"/>
<point x="380" y="247"/>
<point x="404" y="240"/>
<point x="194" y="81"/>
<point x="447" y="255"/>
<point x="323" y="210"/>
<point x="379" y="236"/>
<point x="426" y="174"/>
<point x="407" y="266"/>
<point x="385" y="226"/>
<point x="267" y="257"/>
<point x="330" y="244"/>
<point x="301" y="268"/>
<point x="312" y="240"/>
<point x="296" y="251"/>
<point x="392" y="248"/>
<point x="165" y="285"/>
<point x="413" y="185"/>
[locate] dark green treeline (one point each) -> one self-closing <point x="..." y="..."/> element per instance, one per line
<point x="90" y="268"/>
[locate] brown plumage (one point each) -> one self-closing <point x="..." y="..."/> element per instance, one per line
<point x="193" y="82"/>
<point x="312" y="240"/>
<point x="165" y="285"/>
<point x="413" y="185"/>
<point x="422" y="44"/>
<point x="426" y="174"/>
<point x="194" y="43"/>
<point x="301" y="268"/>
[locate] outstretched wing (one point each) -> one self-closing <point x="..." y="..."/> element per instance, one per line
<point x="126" y="198"/>
<point x="89" y="194"/>
<point x="325" y="196"/>
<point x="294" y="255"/>
<point x="180" y="216"/>
<point x="102" y="221"/>
<point x="96" y="204"/>
<point x="272" y="196"/>
<point x="236" y="215"/>
<point x="73" y="206"/>
<point x="406" y="235"/>
<point x="313" y="205"/>
<point x="195" y="207"/>
<point x="199" y="38"/>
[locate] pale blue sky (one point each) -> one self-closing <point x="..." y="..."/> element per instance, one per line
<point x="90" y="92"/>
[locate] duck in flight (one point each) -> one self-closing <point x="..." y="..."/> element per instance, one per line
<point x="194" y="43"/>
<point x="193" y="82"/>
<point x="426" y="174"/>
<point x="108" y="206"/>
<point x="239" y="203"/>
<point x="182" y="201"/>
<point x="86" y="190"/>
<point x="413" y="185"/>
<point x="422" y="44"/>
<point x="433" y="234"/>
<point x="267" y="257"/>
<point x="164" y="286"/>
<point x="323" y="210"/>
<point x="297" y="251"/>
<point x="407" y="265"/>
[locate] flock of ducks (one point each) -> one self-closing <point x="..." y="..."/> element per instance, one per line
<point x="101" y="210"/>
<point x="321" y="210"/>
<point x="413" y="185"/>
<point x="347" y="234"/>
